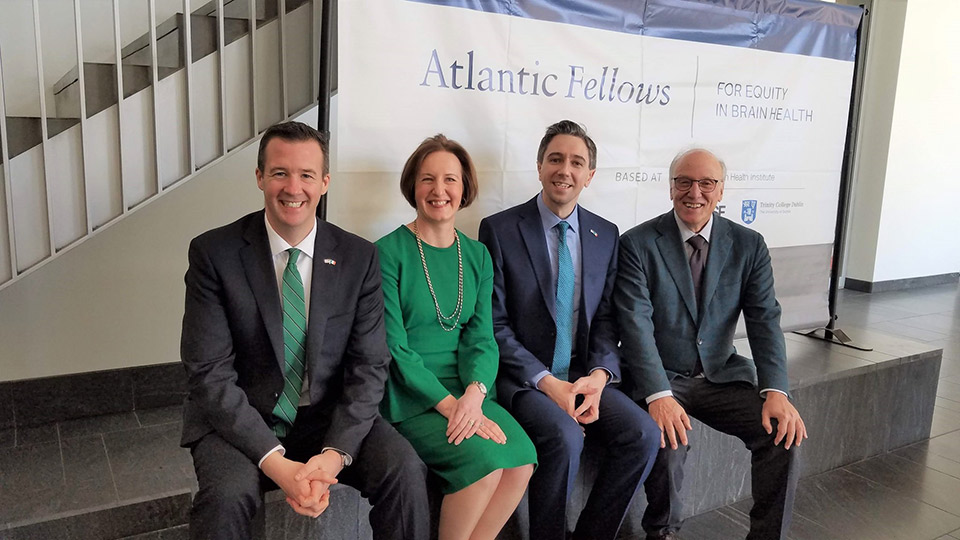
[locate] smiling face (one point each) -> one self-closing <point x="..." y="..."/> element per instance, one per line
<point x="564" y="172"/>
<point x="292" y="182"/>
<point x="438" y="190"/>
<point x="693" y="206"/>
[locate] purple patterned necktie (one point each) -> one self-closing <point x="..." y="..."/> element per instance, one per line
<point x="698" y="260"/>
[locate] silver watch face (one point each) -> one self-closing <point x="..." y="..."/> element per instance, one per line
<point x="481" y="386"/>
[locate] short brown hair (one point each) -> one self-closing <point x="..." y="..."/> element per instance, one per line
<point x="568" y="127"/>
<point x="294" y="132"/>
<point x="439" y="143"/>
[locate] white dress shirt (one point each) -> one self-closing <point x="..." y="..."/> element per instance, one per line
<point x="278" y="249"/>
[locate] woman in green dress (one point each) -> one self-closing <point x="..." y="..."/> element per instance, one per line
<point x="437" y="288"/>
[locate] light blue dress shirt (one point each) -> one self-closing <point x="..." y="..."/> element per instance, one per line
<point x="549" y="220"/>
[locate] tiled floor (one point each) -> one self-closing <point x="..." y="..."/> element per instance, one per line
<point x="912" y="493"/>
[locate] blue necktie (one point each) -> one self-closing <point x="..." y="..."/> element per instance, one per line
<point x="294" y="340"/>
<point x="564" y="306"/>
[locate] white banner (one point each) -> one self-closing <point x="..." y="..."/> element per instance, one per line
<point x="408" y="70"/>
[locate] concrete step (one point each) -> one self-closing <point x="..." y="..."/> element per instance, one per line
<point x="134" y="519"/>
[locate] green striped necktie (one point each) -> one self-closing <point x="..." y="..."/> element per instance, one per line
<point x="294" y="340"/>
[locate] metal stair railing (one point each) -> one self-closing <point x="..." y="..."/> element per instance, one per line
<point x="175" y="46"/>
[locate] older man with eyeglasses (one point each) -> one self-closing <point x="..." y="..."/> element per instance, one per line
<point x="683" y="281"/>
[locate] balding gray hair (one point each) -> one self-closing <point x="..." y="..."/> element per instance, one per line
<point x="684" y="153"/>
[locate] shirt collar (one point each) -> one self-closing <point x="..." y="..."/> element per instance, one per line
<point x="278" y="245"/>
<point x="550" y="220"/>
<point x="686" y="233"/>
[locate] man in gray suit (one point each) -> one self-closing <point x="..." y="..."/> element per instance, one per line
<point x="684" y="279"/>
<point x="286" y="392"/>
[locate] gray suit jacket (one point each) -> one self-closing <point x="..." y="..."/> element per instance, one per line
<point x="232" y="339"/>
<point x="663" y="333"/>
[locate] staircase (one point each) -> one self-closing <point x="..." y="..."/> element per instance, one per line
<point x="107" y="137"/>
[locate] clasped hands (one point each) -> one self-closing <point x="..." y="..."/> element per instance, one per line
<point x="306" y="485"/>
<point x="465" y="418"/>
<point x="564" y="394"/>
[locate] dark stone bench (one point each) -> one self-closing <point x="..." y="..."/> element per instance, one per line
<point x="855" y="405"/>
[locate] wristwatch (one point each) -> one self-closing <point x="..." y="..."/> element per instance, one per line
<point x="344" y="457"/>
<point x="480" y="386"/>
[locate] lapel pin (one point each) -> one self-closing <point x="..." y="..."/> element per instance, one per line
<point x="331" y="262"/>
<point x="593" y="232"/>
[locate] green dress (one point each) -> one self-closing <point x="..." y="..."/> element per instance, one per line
<point x="430" y="363"/>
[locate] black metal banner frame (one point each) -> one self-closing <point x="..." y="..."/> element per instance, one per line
<point x="327" y="63"/>
<point x="831" y="331"/>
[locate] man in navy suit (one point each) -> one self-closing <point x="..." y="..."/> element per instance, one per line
<point x="684" y="279"/>
<point x="247" y="425"/>
<point x="554" y="269"/>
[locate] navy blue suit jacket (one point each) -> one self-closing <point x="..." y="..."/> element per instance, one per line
<point x="663" y="332"/>
<point x="523" y="299"/>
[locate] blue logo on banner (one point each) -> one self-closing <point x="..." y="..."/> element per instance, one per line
<point x="749" y="212"/>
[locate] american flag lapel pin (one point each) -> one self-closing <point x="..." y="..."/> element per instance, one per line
<point x="331" y="262"/>
<point x="593" y="232"/>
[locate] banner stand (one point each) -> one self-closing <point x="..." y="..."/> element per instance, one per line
<point x="327" y="52"/>
<point x="831" y="332"/>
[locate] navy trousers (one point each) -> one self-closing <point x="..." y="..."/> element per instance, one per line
<point x="631" y="439"/>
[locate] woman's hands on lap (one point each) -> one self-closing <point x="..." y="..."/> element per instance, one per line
<point x="465" y="418"/>
<point x="490" y="430"/>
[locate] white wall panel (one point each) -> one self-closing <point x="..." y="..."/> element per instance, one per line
<point x="908" y="127"/>
<point x="300" y="68"/>
<point x="103" y="167"/>
<point x="18" y="43"/>
<point x="65" y="181"/>
<point x="205" y="86"/>
<point x="239" y="123"/>
<point x="876" y="118"/>
<point x="916" y="226"/>
<point x="136" y="133"/>
<point x="59" y="45"/>
<point x="97" y="26"/>
<point x="30" y="208"/>
<point x="4" y="232"/>
<point x="174" y="143"/>
<point x="268" y="76"/>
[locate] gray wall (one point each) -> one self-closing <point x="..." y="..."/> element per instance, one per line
<point x="116" y="300"/>
<point x="905" y="182"/>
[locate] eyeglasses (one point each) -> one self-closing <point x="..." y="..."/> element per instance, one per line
<point x="682" y="183"/>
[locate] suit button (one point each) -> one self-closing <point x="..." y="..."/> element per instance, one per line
<point x="276" y="395"/>
<point x="686" y="373"/>
<point x="699" y="342"/>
